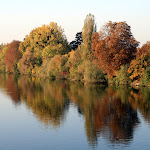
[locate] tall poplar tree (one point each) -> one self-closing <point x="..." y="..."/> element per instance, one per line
<point x="88" y="30"/>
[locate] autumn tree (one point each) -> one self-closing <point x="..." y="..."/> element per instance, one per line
<point x="3" y="67"/>
<point x="42" y="43"/>
<point x="46" y="41"/>
<point x="12" y="55"/>
<point x="56" y="66"/>
<point x="114" y="46"/>
<point x="144" y="50"/>
<point x="137" y="67"/>
<point x="1" y="46"/>
<point x="27" y="62"/>
<point x="140" y="67"/>
<point x="88" y="29"/>
<point x="74" y="64"/>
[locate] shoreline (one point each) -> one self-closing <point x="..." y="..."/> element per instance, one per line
<point x="132" y="84"/>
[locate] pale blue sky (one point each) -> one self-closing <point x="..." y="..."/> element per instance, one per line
<point x="19" y="17"/>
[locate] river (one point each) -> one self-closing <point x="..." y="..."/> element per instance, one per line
<point x="40" y="114"/>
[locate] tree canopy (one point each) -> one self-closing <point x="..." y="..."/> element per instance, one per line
<point x="114" y="46"/>
<point x="78" y="40"/>
<point x="46" y="41"/>
<point x="87" y="31"/>
<point x="12" y="55"/>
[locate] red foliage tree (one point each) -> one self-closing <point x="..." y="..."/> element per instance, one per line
<point x="144" y="50"/>
<point x="12" y="55"/>
<point x="139" y="65"/>
<point x="114" y="46"/>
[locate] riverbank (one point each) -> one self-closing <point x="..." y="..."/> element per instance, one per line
<point x="135" y="84"/>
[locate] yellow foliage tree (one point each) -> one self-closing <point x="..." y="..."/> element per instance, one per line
<point x="46" y="41"/>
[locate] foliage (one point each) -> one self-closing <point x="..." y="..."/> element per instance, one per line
<point x="78" y="40"/>
<point x="2" y="63"/>
<point x="114" y="46"/>
<point x="1" y="46"/>
<point x="144" y="50"/>
<point x="16" y="69"/>
<point x="122" y="77"/>
<point x="46" y="41"/>
<point x="27" y="62"/>
<point x="43" y="70"/>
<point x="93" y="74"/>
<point x="88" y="29"/>
<point x="12" y="55"/>
<point x="74" y="61"/>
<point x="95" y="57"/>
<point x="139" y="66"/>
<point x="57" y="66"/>
<point x="145" y="80"/>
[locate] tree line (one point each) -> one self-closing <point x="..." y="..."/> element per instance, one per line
<point x="111" y="55"/>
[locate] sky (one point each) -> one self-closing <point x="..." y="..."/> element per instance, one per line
<point x="19" y="17"/>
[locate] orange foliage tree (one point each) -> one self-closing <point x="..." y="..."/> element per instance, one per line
<point x="57" y="67"/>
<point x="12" y="55"/>
<point x="144" y="50"/>
<point x="141" y="63"/>
<point x="114" y="46"/>
<point x="27" y="62"/>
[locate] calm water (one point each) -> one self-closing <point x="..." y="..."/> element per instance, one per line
<point x="39" y="114"/>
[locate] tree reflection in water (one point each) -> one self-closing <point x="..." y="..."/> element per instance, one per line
<point x="109" y="112"/>
<point x="8" y="83"/>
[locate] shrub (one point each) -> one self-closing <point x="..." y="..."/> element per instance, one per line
<point x="93" y="74"/>
<point x="145" y="80"/>
<point x="122" y="77"/>
<point x="57" y="67"/>
<point x="26" y="64"/>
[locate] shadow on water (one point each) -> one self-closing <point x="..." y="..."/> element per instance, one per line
<point x="110" y="113"/>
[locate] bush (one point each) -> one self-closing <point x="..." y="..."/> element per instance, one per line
<point x="77" y="73"/>
<point x="122" y="77"/>
<point x="56" y="66"/>
<point x="93" y="74"/>
<point x="15" y="68"/>
<point x="145" y="80"/>
<point x="43" y="70"/>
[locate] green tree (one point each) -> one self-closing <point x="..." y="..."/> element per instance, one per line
<point x="93" y="74"/>
<point x="88" y="30"/>
<point x="122" y="76"/>
<point x="145" y="80"/>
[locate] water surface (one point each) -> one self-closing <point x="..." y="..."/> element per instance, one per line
<point x="41" y="114"/>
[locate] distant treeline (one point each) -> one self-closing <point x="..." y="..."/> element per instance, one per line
<point x="111" y="55"/>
